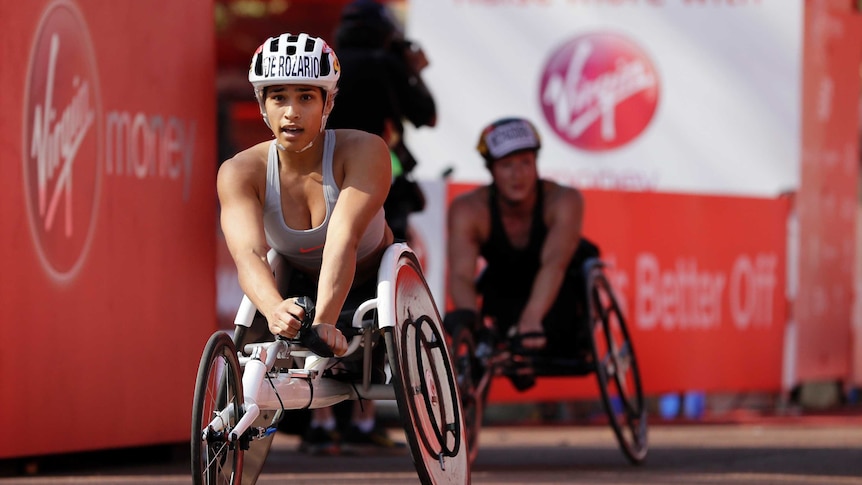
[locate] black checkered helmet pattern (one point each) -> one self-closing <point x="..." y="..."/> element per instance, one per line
<point x="293" y="59"/>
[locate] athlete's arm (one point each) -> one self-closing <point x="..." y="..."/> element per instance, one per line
<point x="463" y="250"/>
<point x="565" y="207"/>
<point x="240" y="197"/>
<point x="367" y="176"/>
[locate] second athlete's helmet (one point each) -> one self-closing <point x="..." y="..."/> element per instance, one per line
<point x="293" y="59"/>
<point x="507" y="136"/>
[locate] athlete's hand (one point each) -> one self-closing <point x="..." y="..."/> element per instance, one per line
<point x="332" y="336"/>
<point x="286" y="318"/>
<point x="536" y="334"/>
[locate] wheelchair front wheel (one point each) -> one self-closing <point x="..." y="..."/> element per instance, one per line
<point x="424" y="381"/>
<point x="616" y="368"/>
<point x="468" y="373"/>
<point x="218" y="393"/>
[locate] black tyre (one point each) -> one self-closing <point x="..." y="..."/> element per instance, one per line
<point x="468" y="372"/>
<point x="616" y="367"/>
<point x="218" y="392"/>
<point x="424" y="381"/>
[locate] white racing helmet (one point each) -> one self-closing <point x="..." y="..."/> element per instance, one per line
<point x="293" y="59"/>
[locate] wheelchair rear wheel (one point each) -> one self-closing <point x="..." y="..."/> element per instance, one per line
<point x="424" y="381"/>
<point x="468" y="373"/>
<point x="616" y="367"/>
<point x="215" y="460"/>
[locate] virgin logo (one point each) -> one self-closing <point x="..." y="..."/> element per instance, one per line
<point x="599" y="91"/>
<point x="62" y="141"/>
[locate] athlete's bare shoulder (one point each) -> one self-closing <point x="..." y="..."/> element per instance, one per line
<point x="348" y="141"/>
<point x="563" y="204"/>
<point x="252" y="158"/>
<point x="474" y="202"/>
<point x="360" y="147"/>
<point x="469" y="214"/>
<point x="560" y="194"/>
<point x="246" y="168"/>
<point x="351" y="135"/>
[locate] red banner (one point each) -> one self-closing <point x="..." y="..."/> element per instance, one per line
<point x="107" y="215"/>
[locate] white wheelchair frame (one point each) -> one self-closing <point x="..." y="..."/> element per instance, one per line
<point x="411" y="327"/>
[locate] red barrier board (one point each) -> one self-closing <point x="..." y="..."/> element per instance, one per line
<point x="107" y="215"/>
<point x="701" y="280"/>
<point x="827" y="199"/>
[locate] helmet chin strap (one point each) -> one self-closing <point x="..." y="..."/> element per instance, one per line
<point x="282" y="148"/>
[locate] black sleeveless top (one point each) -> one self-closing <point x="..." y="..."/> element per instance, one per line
<point x="510" y="271"/>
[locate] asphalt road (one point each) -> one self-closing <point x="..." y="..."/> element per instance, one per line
<point x="800" y="451"/>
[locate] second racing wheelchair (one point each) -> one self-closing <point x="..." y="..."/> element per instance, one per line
<point x="609" y="355"/>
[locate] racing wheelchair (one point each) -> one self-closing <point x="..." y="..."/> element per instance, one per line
<point x="241" y="393"/>
<point x="610" y="356"/>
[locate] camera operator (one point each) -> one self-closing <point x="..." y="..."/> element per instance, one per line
<point x="380" y="88"/>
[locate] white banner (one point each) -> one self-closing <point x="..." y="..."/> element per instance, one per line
<point x="692" y="96"/>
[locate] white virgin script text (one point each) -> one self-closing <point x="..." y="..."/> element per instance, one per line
<point x="579" y="102"/>
<point x="55" y="147"/>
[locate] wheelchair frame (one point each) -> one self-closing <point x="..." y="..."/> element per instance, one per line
<point x="236" y="391"/>
<point x="611" y="359"/>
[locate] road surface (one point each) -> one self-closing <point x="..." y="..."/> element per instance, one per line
<point x="784" y="452"/>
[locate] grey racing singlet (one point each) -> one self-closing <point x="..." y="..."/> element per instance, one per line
<point x="304" y="248"/>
